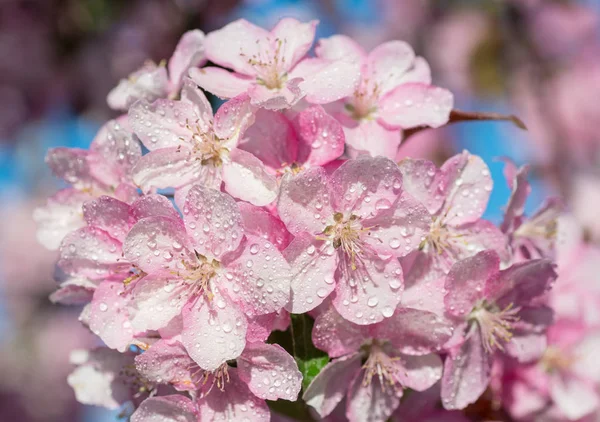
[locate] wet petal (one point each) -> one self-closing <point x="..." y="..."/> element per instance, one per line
<point x="387" y="64"/>
<point x="372" y="402"/>
<point x="221" y="82"/>
<point x="173" y="408"/>
<point x="296" y="39"/>
<point x="337" y="336"/>
<point x="419" y="372"/>
<point x="320" y="136"/>
<point x="188" y="53"/>
<point x="168" y="362"/>
<point x="325" y="81"/>
<point x="260" y="223"/>
<point x="246" y="178"/>
<point x="109" y="214"/>
<point x="109" y="318"/>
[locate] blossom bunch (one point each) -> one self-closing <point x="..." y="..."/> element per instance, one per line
<point x="271" y="258"/>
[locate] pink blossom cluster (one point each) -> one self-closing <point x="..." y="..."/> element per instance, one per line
<point x="286" y="205"/>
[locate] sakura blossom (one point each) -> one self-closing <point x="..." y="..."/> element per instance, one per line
<point x="265" y="258"/>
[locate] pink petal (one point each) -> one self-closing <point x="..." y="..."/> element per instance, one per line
<point x="74" y="291"/>
<point x="371" y="292"/>
<point x="468" y="186"/>
<point x="413" y="104"/>
<point x="167" y="362"/>
<point x="466" y="372"/>
<point x="520" y="190"/>
<point x="419" y="372"/>
<point x="109" y="318"/>
<point x="276" y="99"/>
<point x="270" y="372"/>
<point x="574" y="397"/>
<point x="235" y="403"/>
<point x="71" y="165"/>
<point x="328" y="388"/>
<point x="313" y="266"/>
<point x="235" y="44"/>
<point x="162" y="124"/>
<point x="325" y="81"/>
<point x="415" y="332"/>
<point x="213" y="220"/>
<point x="369" y="137"/>
<point x="149" y="83"/>
<point x="218" y="323"/>
<point x="173" y="167"/>
<point x="320" y="136"/>
<point x="423" y="181"/>
<point x="260" y="223"/>
<point x="586" y="366"/>
<point x="339" y="47"/>
<point x="419" y="72"/>
<point x="157" y="243"/>
<point x="153" y="205"/>
<point x="91" y="252"/>
<point x="467" y="240"/>
<point x="361" y="186"/>
<point x="296" y="39"/>
<point x="467" y="280"/>
<point x="260" y="327"/>
<point x="156" y="299"/>
<point x="423" y="283"/>
<point x="188" y="53"/>
<point x="399" y="228"/>
<point x="191" y="94"/>
<point x="173" y="408"/>
<point x="337" y="336"/>
<point x="118" y="149"/>
<point x="233" y="118"/>
<point x="304" y="201"/>
<point x="271" y="139"/>
<point x="523" y="282"/>
<point x="370" y="403"/>
<point x="246" y="178"/>
<point x="61" y="215"/>
<point x="387" y="64"/>
<point x="110" y="215"/>
<point x="221" y="82"/>
<point x="258" y="277"/>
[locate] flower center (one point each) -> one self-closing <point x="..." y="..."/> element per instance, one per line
<point x="542" y="228"/>
<point x="207" y="147"/>
<point x="364" y="102"/>
<point x="345" y="235"/>
<point x="136" y="382"/>
<point x="218" y="378"/>
<point x="437" y="239"/>
<point x="269" y="66"/>
<point x="382" y="366"/>
<point x="555" y="359"/>
<point x="496" y="325"/>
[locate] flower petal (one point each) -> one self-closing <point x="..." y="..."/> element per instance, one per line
<point x="371" y="402"/>
<point x="246" y="178"/>
<point x="574" y="397"/>
<point x="157" y="243"/>
<point x="296" y="39"/>
<point x="523" y="282"/>
<point x="466" y="372"/>
<point x="149" y="83"/>
<point x="110" y="215"/>
<point x="325" y="81"/>
<point x="414" y="104"/>
<point x="320" y="136"/>
<point x="423" y="181"/>
<point x="213" y="331"/>
<point x="153" y="205"/>
<point x="109" y="318"/>
<point x="221" y="82"/>
<point x="360" y="186"/>
<point x="304" y="201"/>
<point x="387" y="64"/>
<point x="168" y="362"/>
<point x="260" y="223"/>
<point x="188" y="53"/>
<point x="419" y="372"/>
<point x="173" y="408"/>
<point x="270" y="372"/>
<point x="258" y="276"/>
<point x="339" y="47"/>
<point x="328" y="388"/>
<point x="337" y="336"/>
<point x="369" y="137"/>
<point x="313" y="265"/>
<point x="233" y="118"/>
<point x="213" y="220"/>
<point x="369" y="293"/>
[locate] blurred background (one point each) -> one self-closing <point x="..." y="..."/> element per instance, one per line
<point x="538" y="59"/>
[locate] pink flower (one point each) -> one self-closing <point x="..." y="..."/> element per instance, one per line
<point x="455" y="196"/>
<point x="394" y="93"/>
<point x="207" y="270"/>
<point x="396" y="354"/>
<point x="565" y="379"/>
<point x="93" y="257"/>
<point x="152" y="82"/>
<point x="262" y="372"/>
<point x="532" y="237"/>
<point x="271" y="66"/>
<point x="496" y="311"/>
<point x="188" y="146"/>
<point x="350" y="227"/>
<point x="103" y="170"/>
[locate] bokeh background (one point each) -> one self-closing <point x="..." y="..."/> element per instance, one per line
<point x="538" y="59"/>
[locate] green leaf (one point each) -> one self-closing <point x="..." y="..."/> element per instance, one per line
<point x="310" y="369"/>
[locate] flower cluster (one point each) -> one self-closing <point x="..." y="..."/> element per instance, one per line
<point x="202" y="263"/>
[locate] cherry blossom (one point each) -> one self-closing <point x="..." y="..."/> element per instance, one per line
<point x="394" y="92"/>
<point x="373" y="389"/>
<point x="350" y="228"/>
<point x="271" y="66"/>
<point x="496" y="311"/>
